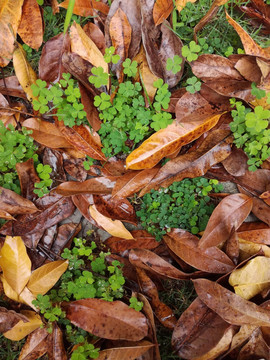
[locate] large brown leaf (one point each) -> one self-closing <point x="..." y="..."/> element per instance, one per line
<point x="10" y="15"/>
<point x="225" y="219"/>
<point x="185" y="245"/>
<point x="162" y="10"/>
<point x="86" y="8"/>
<point x="259" y="236"/>
<point x="215" y="148"/>
<point x="50" y="63"/>
<point x="36" y="345"/>
<point x="256" y="347"/>
<point x="128" y="352"/>
<point x="28" y="177"/>
<point x="14" y="203"/>
<point x="56" y="349"/>
<point x="142" y="239"/>
<point x="110" y="320"/>
<point x="198" y="330"/>
<point x="149" y="261"/>
<point x="9" y="318"/>
<point x="98" y="185"/>
<point x="31" y="26"/>
<point x="166" y="141"/>
<point x="231" y="307"/>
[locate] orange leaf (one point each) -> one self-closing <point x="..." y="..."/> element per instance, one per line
<point x="162" y="10"/>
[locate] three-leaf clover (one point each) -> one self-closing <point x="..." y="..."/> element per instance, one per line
<point x="174" y="65"/>
<point x="258" y="93"/>
<point x="110" y="57"/>
<point x="130" y="68"/>
<point x="102" y="101"/>
<point x="190" y="52"/>
<point x="193" y="85"/>
<point x="100" y="77"/>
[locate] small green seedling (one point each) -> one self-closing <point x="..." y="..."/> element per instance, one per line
<point x="110" y="57"/>
<point x="194" y="85"/>
<point x="42" y="187"/>
<point x="99" y="77"/>
<point x="174" y="65"/>
<point x="190" y="51"/>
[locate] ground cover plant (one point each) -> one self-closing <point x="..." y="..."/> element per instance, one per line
<point x="120" y="120"/>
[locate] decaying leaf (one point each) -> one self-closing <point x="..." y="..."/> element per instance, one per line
<point x="9" y="318"/>
<point x="36" y="344"/>
<point x="129" y="352"/>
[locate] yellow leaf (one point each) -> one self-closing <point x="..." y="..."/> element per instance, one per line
<point x="24" y="71"/>
<point x="10" y="293"/>
<point x="82" y="45"/>
<point x="10" y="15"/>
<point x="113" y="227"/>
<point x="252" y="278"/>
<point x="44" y="278"/>
<point x="21" y="329"/>
<point x="15" y="263"/>
<point x="248" y="248"/>
<point x="180" y="4"/>
<point x="26" y="297"/>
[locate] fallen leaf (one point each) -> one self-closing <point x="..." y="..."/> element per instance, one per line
<point x="185" y="246"/>
<point x="24" y="72"/>
<point x="22" y="329"/>
<point x="231" y="307"/>
<point x="36" y="345"/>
<point x="11" y="86"/>
<point x="198" y="330"/>
<point x="44" y="278"/>
<point x="266" y="197"/>
<point x="142" y="239"/>
<point x="94" y="32"/>
<point x="252" y="278"/>
<point x="225" y="219"/>
<point x="14" y="203"/>
<point x="28" y="177"/>
<point x="256" y="347"/>
<point x="166" y="141"/>
<point x="110" y="320"/>
<point x="9" y="318"/>
<point x="131" y="352"/>
<point x="31" y="26"/>
<point x="82" y="45"/>
<point x="180" y="4"/>
<point x="15" y="263"/>
<point x="85" y="8"/>
<point x="259" y="236"/>
<point x="11" y="12"/>
<point x="113" y="227"/>
<point x="55" y="347"/>
<point x="162" y="10"/>
<point x="92" y="114"/>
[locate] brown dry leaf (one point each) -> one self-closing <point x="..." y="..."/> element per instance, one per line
<point x="13" y="203"/>
<point x="36" y="345"/>
<point x="9" y="318"/>
<point x="142" y="239"/>
<point x="12" y="87"/>
<point x="15" y="263"/>
<point x="31" y="25"/>
<point x="185" y="246"/>
<point x="24" y="72"/>
<point x="250" y="46"/>
<point x="231" y="307"/>
<point x="225" y="219"/>
<point x="120" y="33"/>
<point x="28" y="177"/>
<point x="162" y="10"/>
<point x="94" y="32"/>
<point x="22" y="329"/>
<point x="55" y="347"/>
<point x="113" y="227"/>
<point x="248" y="249"/>
<point x="6" y="114"/>
<point x="132" y="182"/>
<point x="236" y="163"/>
<point x="46" y="133"/>
<point x="81" y="138"/>
<point x="252" y="278"/>
<point x="131" y="352"/>
<point x="98" y="185"/>
<point x="5" y="215"/>
<point x="266" y="197"/>
<point x="150" y="261"/>
<point x="110" y="320"/>
<point x="198" y="330"/>
<point x="86" y="8"/>
<point x="82" y="45"/>
<point x="10" y="15"/>
<point x="166" y="141"/>
<point x="255" y="348"/>
<point x="92" y="114"/>
<point x="259" y="236"/>
<point x="50" y="63"/>
<point x="215" y="148"/>
<point x="44" y="278"/>
<point x="180" y="4"/>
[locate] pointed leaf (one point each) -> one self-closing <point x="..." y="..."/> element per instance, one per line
<point x="225" y="219"/>
<point x="162" y="10"/>
<point x="166" y="141"/>
<point x="15" y="263"/>
<point x="22" y="329"/>
<point x="9" y="318"/>
<point x="85" y="8"/>
<point x="10" y="15"/>
<point x="14" y="203"/>
<point x="36" y="345"/>
<point x="110" y="320"/>
<point x="113" y="227"/>
<point x="185" y="246"/>
<point x="45" y="277"/>
<point x="142" y="239"/>
<point x="231" y="307"/>
<point x="131" y="352"/>
<point x="55" y="347"/>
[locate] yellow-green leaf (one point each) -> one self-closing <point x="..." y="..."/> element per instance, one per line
<point x="252" y="278"/>
<point x="44" y="278"/>
<point x="10" y="16"/>
<point x="24" y="72"/>
<point x="113" y="227"/>
<point x="22" y="329"/>
<point x="15" y="263"/>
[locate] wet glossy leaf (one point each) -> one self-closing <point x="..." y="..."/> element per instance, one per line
<point x="31" y="26"/>
<point x="142" y="239"/>
<point x="113" y="227"/>
<point x="231" y="307"/>
<point x="44" y="278"/>
<point x="131" y="352"/>
<point x="11" y="12"/>
<point x="162" y="10"/>
<point x="185" y="246"/>
<point x="28" y="177"/>
<point x="13" y="203"/>
<point x="15" y="263"/>
<point x="22" y="329"/>
<point x="109" y="320"/>
<point x="225" y="219"/>
<point x="55" y="348"/>
<point x="35" y="346"/>
<point x="166" y="141"/>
